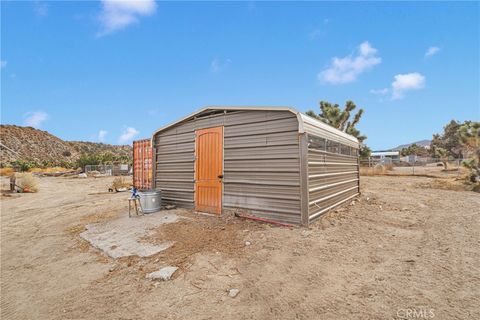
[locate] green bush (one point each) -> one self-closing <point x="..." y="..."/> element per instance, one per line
<point x="88" y="159"/>
<point x="22" y="165"/>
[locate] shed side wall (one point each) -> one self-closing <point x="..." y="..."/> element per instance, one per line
<point x="332" y="180"/>
<point x="261" y="163"/>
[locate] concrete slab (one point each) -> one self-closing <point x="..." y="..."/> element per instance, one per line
<point x="121" y="237"/>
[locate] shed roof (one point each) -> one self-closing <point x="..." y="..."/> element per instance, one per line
<point x="305" y="123"/>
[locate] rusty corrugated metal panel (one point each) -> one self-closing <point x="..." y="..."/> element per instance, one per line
<point x="142" y="164"/>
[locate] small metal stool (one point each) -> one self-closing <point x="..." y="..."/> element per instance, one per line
<point x="136" y="203"/>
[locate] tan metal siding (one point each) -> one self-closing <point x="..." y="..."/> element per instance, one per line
<point x="261" y="162"/>
<point x="332" y="180"/>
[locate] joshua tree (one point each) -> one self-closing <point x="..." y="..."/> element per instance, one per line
<point x="332" y="114"/>
<point x="443" y="155"/>
<point x="469" y="134"/>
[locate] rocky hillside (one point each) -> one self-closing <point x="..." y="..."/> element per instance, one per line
<point x="40" y="148"/>
<point x="421" y="143"/>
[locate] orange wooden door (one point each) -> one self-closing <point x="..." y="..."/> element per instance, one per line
<point x="209" y="170"/>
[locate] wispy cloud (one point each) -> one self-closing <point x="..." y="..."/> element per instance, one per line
<point x="128" y="135"/>
<point x="101" y="135"/>
<point x="218" y="65"/>
<point x="3" y="63"/>
<point x="382" y="92"/>
<point x="406" y="82"/>
<point x="40" y="8"/>
<point x="432" y="51"/>
<point x="347" y="69"/>
<point x="152" y="112"/>
<point x="319" y="32"/>
<point x="315" y="34"/>
<point x="118" y="14"/>
<point x="34" y="118"/>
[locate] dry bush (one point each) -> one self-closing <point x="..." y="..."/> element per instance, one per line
<point x="27" y="182"/>
<point x="48" y="170"/>
<point x="372" y="171"/>
<point x="379" y="169"/>
<point x="6" y="172"/>
<point x="121" y="182"/>
<point x="388" y="166"/>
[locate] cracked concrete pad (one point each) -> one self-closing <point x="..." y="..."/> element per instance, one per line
<point x="122" y="237"/>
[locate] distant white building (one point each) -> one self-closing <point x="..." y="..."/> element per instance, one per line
<point x="386" y="156"/>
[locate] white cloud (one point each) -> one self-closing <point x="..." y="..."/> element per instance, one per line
<point x="128" y="135"/>
<point x="40" y="8"/>
<point x="218" y="65"/>
<point x="35" y="119"/>
<point x="152" y="112"/>
<point x="347" y="69"/>
<point x="406" y="82"/>
<point x="101" y="135"/>
<point x="432" y="51"/>
<point x="118" y="14"/>
<point x="315" y="34"/>
<point x="383" y="91"/>
<point x="3" y="63"/>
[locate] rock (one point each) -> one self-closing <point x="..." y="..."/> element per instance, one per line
<point x="232" y="293"/>
<point x="82" y="175"/>
<point x="170" y="207"/>
<point x="306" y="233"/>
<point x="247" y="243"/>
<point x="163" y="274"/>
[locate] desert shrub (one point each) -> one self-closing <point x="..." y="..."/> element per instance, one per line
<point x="474" y="168"/>
<point x="388" y="166"/>
<point x="6" y="171"/>
<point x="48" y="170"/>
<point x="66" y="153"/>
<point x="23" y="166"/>
<point x="121" y="182"/>
<point x="27" y="182"/>
<point x="379" y="169"/>
<point x="87" y="159"/>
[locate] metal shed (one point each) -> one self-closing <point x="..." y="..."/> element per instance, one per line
<point x="273" y="163"/>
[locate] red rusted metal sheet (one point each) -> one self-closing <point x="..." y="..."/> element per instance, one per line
<point x="142" y="164"/>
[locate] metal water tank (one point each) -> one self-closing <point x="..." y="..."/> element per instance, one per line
<point x="151" y="200"/>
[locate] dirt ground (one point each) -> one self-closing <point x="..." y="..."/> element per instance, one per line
<point x="406" y="247"/>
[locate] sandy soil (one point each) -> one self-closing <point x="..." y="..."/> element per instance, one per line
<point x="405" y="245"/>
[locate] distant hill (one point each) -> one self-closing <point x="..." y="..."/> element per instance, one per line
<point x="422" y="143"/>
<point x="44" y="149"/>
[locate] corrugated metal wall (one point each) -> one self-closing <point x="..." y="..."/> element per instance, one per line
<point x="261" y="162"/>
<point x="142" y="164"/>
<point x="333" y="171"/>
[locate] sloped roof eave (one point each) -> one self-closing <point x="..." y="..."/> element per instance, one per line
<point x="302" y="118"/>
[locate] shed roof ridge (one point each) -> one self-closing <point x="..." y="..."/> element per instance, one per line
<point x="300" y="117"/>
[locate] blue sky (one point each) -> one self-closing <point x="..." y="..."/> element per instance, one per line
<point x="116" y="71"/>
